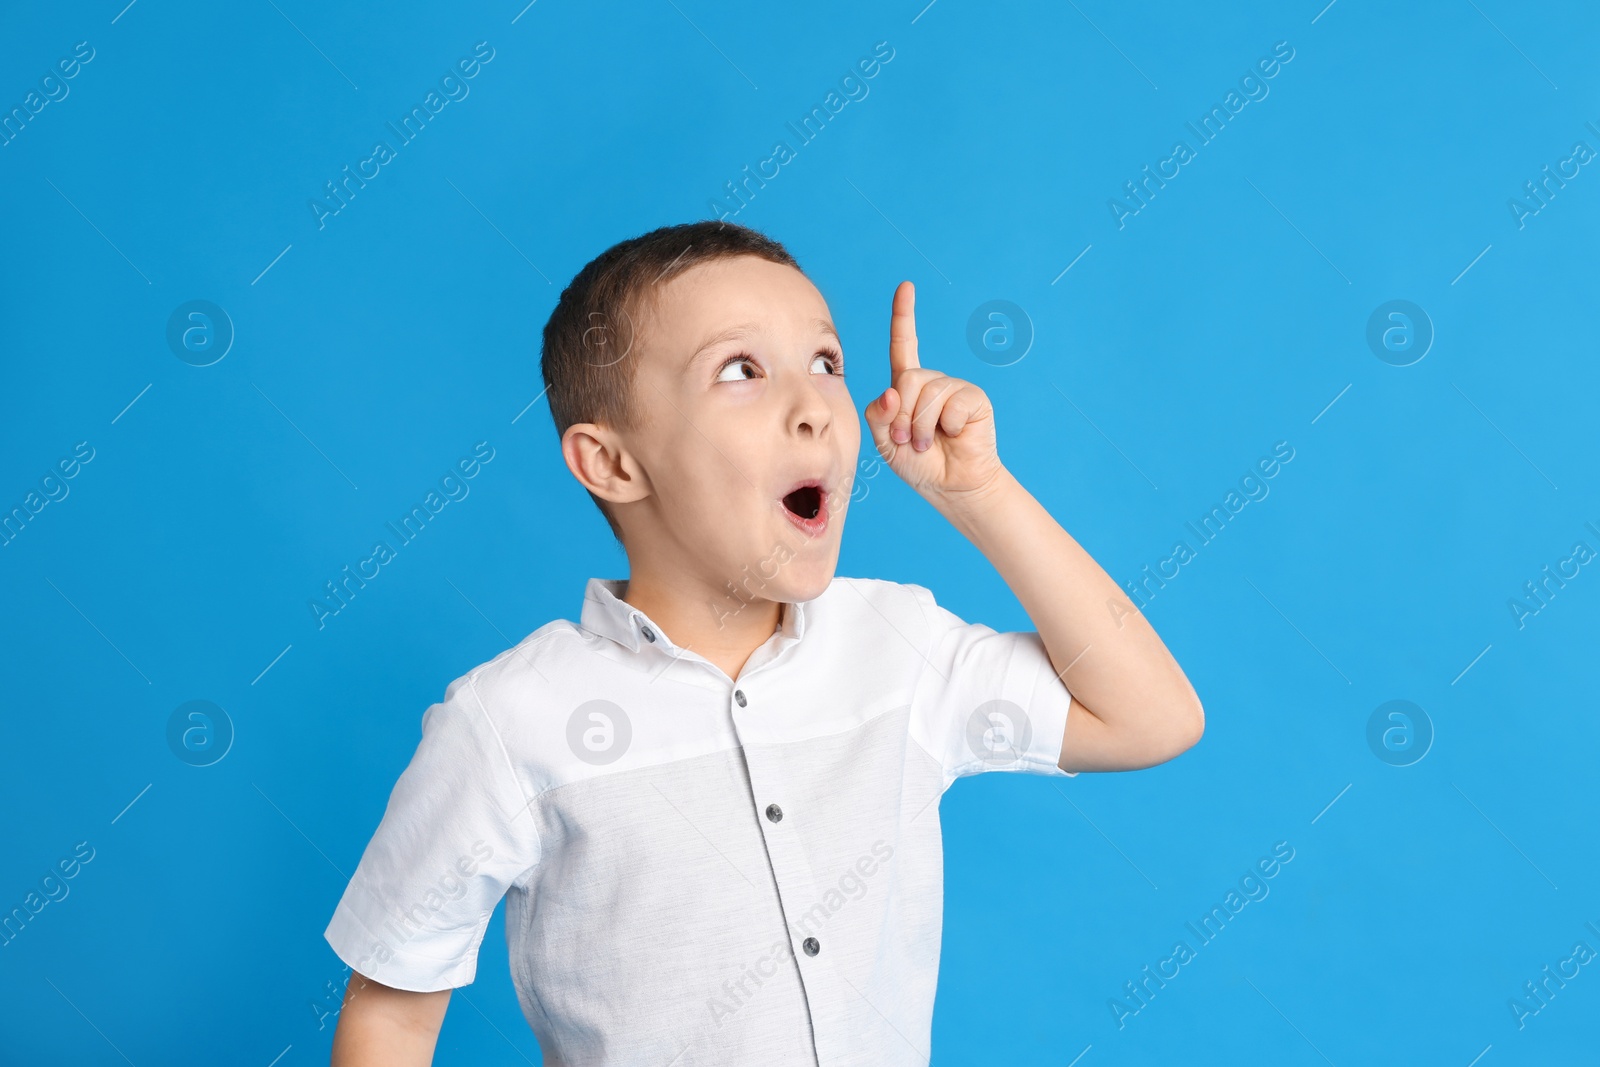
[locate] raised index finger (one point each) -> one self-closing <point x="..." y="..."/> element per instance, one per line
<point x="903" y="331"/>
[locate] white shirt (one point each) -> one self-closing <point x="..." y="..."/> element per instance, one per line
<point x="698" y="869"/>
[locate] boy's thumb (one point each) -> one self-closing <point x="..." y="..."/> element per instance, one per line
<point x="879" y="414"/>
<point x="881" y="403"/>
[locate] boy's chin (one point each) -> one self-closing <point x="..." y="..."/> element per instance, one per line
<point x="810" y="584"/>
<point x="797" y="580"/>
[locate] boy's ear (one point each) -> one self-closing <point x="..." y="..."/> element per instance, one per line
<point x="596" y="457"/>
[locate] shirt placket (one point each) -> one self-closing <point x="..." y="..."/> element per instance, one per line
<point x="795" y="881"/>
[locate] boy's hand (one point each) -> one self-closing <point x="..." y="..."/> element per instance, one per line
<point x="934" y="431"/>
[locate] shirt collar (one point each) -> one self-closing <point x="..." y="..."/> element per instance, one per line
<point x="605" y="613"/>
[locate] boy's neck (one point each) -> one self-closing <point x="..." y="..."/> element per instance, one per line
<point x="708" y="622"/>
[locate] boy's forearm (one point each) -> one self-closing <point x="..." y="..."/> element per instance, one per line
<point x="380" y="1026"/>
<point x="1103" y="648"/>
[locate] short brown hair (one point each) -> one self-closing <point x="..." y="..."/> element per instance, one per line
<point x="587" y="340"/>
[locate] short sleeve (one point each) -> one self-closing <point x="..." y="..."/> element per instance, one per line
<point x="986" y="700"/>
<point x="455" y="835"/>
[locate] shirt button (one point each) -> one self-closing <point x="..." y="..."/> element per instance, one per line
<point x="649" y="634"/>
<point x="811" y="946"/>
<point x="738" y="694"/>
<point x="774" y="812"/>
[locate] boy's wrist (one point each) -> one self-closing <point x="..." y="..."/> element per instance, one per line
<point x="969" y="510"/>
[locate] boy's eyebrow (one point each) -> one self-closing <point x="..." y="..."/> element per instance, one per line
<point x="744" y="329"/>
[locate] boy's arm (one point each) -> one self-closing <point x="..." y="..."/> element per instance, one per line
<point x="380" y="1026"/>
<point x="1135" y="707"/>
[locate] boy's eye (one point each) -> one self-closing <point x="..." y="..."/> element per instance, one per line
<point x="833" y="364"/>
<point x="735" y="361"/>
<point x="835" y="361"/>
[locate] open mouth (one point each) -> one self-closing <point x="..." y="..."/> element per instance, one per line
<point x="806" y="507"/>
<point x="804" y="502"/>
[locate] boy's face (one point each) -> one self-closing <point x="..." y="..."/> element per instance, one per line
<point x="742" y="400"/>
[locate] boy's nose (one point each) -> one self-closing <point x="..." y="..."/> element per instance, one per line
<point x="809" y="413"/>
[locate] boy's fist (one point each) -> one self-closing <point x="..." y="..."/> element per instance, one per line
<point x="934" y="431"/>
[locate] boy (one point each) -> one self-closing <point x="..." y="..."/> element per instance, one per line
<point x="712" y="805"/>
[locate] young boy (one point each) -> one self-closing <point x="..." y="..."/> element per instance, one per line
<point x="712" y="804"/>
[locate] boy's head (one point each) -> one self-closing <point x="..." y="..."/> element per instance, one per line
<point x="696" y="379"/>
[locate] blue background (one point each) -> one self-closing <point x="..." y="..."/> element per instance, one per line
<point x="1228" y="314"/>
